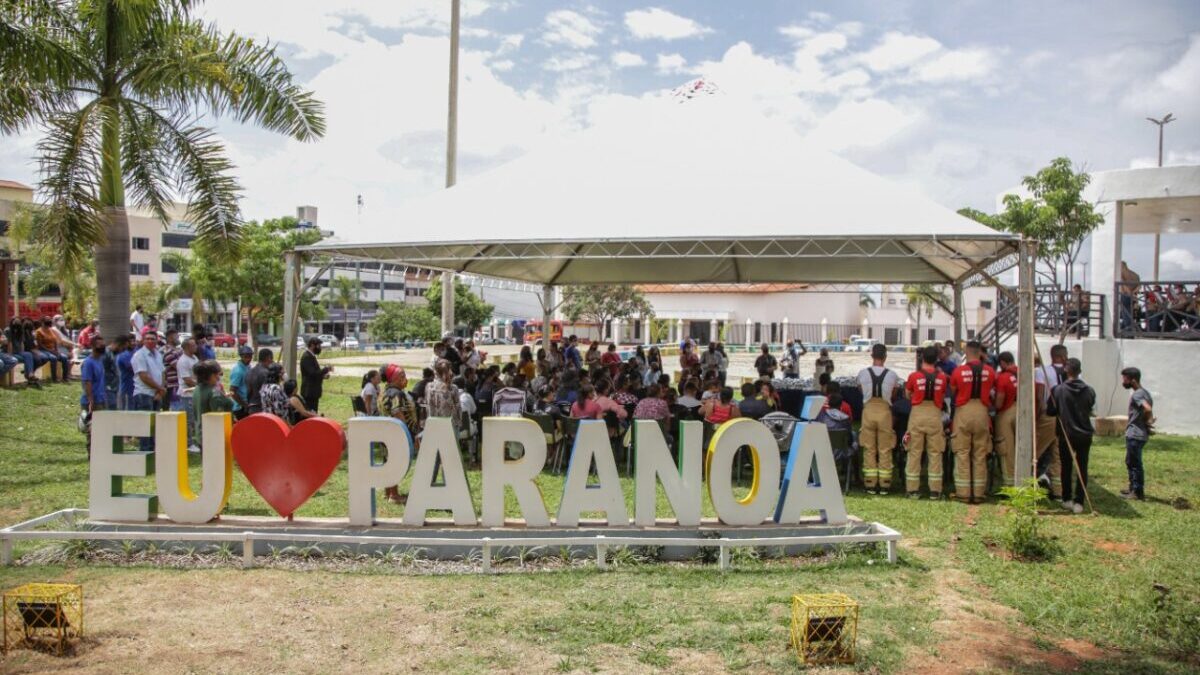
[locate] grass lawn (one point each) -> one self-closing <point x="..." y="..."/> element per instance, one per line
<point x="955" y="603"/>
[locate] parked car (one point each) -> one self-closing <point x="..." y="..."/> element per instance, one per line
<point x="350" y="342"/>
<point x="221" y="339"/>
<point x="268" y="340"/>
<point x="860" y="345"/>
<point x="328" y="340"/>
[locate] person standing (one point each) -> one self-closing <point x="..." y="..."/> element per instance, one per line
<point x="238" y="390"/>
<point x="1137" y="432"/>
<point x="926" y="389"/>
<point x="971" y="437"/>
<point x="312" y="375"/>
<point x="148" y="384"/>
<point x="791" y="359"/>
<point x="91" y="374"/>
<point x="125" y="373"/>
<point x="877" y="436"/>
<point x="1004" y="432"/>
<point x="571" y="358"/>
<point x="1074" y="401"/>
<point x="171" y="353"/>
<point x="112" y="377"/>
<point x="255" y="379"/>
<point x="137" y="321"/>
<point x="185" y="383"/>
<point x="1049" y="469"/>
<point x="766" y="364"/>
<point x="823" y="366"/>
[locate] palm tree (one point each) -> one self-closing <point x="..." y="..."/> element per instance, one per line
<point x="346" y="292"/>
<point x="117" y="86"/>
<point x="922" y="299"/>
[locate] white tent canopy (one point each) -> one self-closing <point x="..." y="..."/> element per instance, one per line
<point x="701" y="190"/>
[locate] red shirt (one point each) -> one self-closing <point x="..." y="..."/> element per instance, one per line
<point x="961" y="383"/>
<point x="85" y="336"/>
<point x="1006" y="383"/>
<point x="916" y="386"/>
<point x="613" y="361"/>
<point x="844" y="407"/>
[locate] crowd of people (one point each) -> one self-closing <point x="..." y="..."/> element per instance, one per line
<point x="969" y="402"/>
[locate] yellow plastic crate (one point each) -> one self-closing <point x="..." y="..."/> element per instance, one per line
<point x="45" y="615"/>
<point x="824" y="628"/>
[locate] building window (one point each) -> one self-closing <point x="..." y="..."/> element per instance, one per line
<point x="891" y="336"/>
<point x="916" y="337"/>
<point x="3" y="227"/>
<point x="932" y="334"/>
<point x="139" y="269"/>
<point x="891" y="301"/>
<point x="903" y="301"/>
<point x="168" y="268"/>
<point x="140" y="244"/>
<point x="985" y="304"/>
<point x="970" y="333"/>
<point x="174" y="240"/>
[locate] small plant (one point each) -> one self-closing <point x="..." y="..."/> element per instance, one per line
<point x="564" y="665"/>
<point x="1023" y="536"/>
<point x="128" y="548"/>
<point x="745" y="555"/>
<point x="223" y="551"/>
<point x="565" y="554"/>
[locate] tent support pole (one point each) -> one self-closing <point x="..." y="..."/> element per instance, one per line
<point x="1023" y="465"/>
<point x="291" y="284"/>
<point x="958" y="316"/>
<point x="547" y="315"/>
<point x="447" y="302"/>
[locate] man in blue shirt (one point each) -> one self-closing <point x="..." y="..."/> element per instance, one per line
<point x="91" y="374"/>
<point x="204" y="350"/>
<point x="239" y="391"/>
<point x="125" y="375"/>
<point x="571" y="354"/>
<point x="149" y="384"/>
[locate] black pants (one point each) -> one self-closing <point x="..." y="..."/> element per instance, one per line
<point x="1073" y="482"/>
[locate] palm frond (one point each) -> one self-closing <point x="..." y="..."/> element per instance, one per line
<point x="41" y="65"/>
<point x="144" y="161"/>
<point x="204" y="178"/>
<point x="70" y="165"/>
<point x="261" y="90"/>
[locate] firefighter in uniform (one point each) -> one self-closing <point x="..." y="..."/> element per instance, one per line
<point x="877" y="437"/>
<point x="1004" y="429"/>
<point x="926" y="388"/>
<point x="971" y="436"/>
<point x="1049" y="466"/>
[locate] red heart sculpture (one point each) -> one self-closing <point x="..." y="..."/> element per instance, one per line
<point x="287" y="466"/>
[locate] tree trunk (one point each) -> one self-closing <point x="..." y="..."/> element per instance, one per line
<point x="112" y="274"/>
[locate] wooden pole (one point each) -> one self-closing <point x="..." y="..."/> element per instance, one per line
<point x="1026" y="419"/>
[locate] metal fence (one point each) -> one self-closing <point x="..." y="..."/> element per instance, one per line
<point x="1158" y="310"/>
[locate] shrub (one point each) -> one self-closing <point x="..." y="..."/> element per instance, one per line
<point x="1023" y="536"/>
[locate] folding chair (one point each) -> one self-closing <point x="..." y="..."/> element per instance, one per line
<point x="570" y="427"/>
<point x="359" y="406"/>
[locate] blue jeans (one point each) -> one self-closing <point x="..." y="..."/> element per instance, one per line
<point x="184" y="404"/>
<point x="1133" y="462"/>
<point x="27" y="359"/>
<point x="7" y="363"/>
<point x="60" y="365"/>
<point x="147" y="403"/>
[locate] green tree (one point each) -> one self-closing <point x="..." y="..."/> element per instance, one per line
<point x="347" y="293"/>
<point x="602" y="303"/>
<point x="397" y="321"/>
<point x="922" y="299"/>
<point x="1056" y="215"/>
<point x="117" y="87"/>
<point x="44" y="268"/>
<point x="149" y="295"/>
<point x="469" y="309"/>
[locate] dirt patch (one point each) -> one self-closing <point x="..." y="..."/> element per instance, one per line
<point x="978" y="634"/>
<point x="1120" y="547"/>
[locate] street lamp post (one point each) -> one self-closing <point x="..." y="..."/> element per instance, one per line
<point x="1167" y="119"/>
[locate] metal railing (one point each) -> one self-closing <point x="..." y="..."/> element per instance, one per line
<point x="1055" y="311"/>
<point x="1158" y="310"/>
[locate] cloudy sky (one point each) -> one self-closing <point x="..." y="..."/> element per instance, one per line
<point x="957" y="100"/>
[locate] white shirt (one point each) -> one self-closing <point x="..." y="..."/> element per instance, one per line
<point x="139" y="321"/>
<point x="370" y="391"/>
<point x="472" y="359"/>
<point x="185" y="366"/>
<point x="890" y="381"/>
<point x="146" y="361"/>
<point x="1047" y="376"/>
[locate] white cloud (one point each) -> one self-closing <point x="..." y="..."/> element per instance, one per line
<point x="569" y="28"/>
<point x="670" y="64"/>
<point x="1179" y="260"/>
<point x="659" y="24"/>
<point x="1175" y="88"/>
<point x="1171" y="158"/>
<point x="627" y="60"/>
<point x="868" y="123"/>
<point x="796" y="31"/>
<point x="502" y="66"/>
<point x="898" y="50"/>
<point x="569" y="62"/>
<point x="956" y="65"/>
